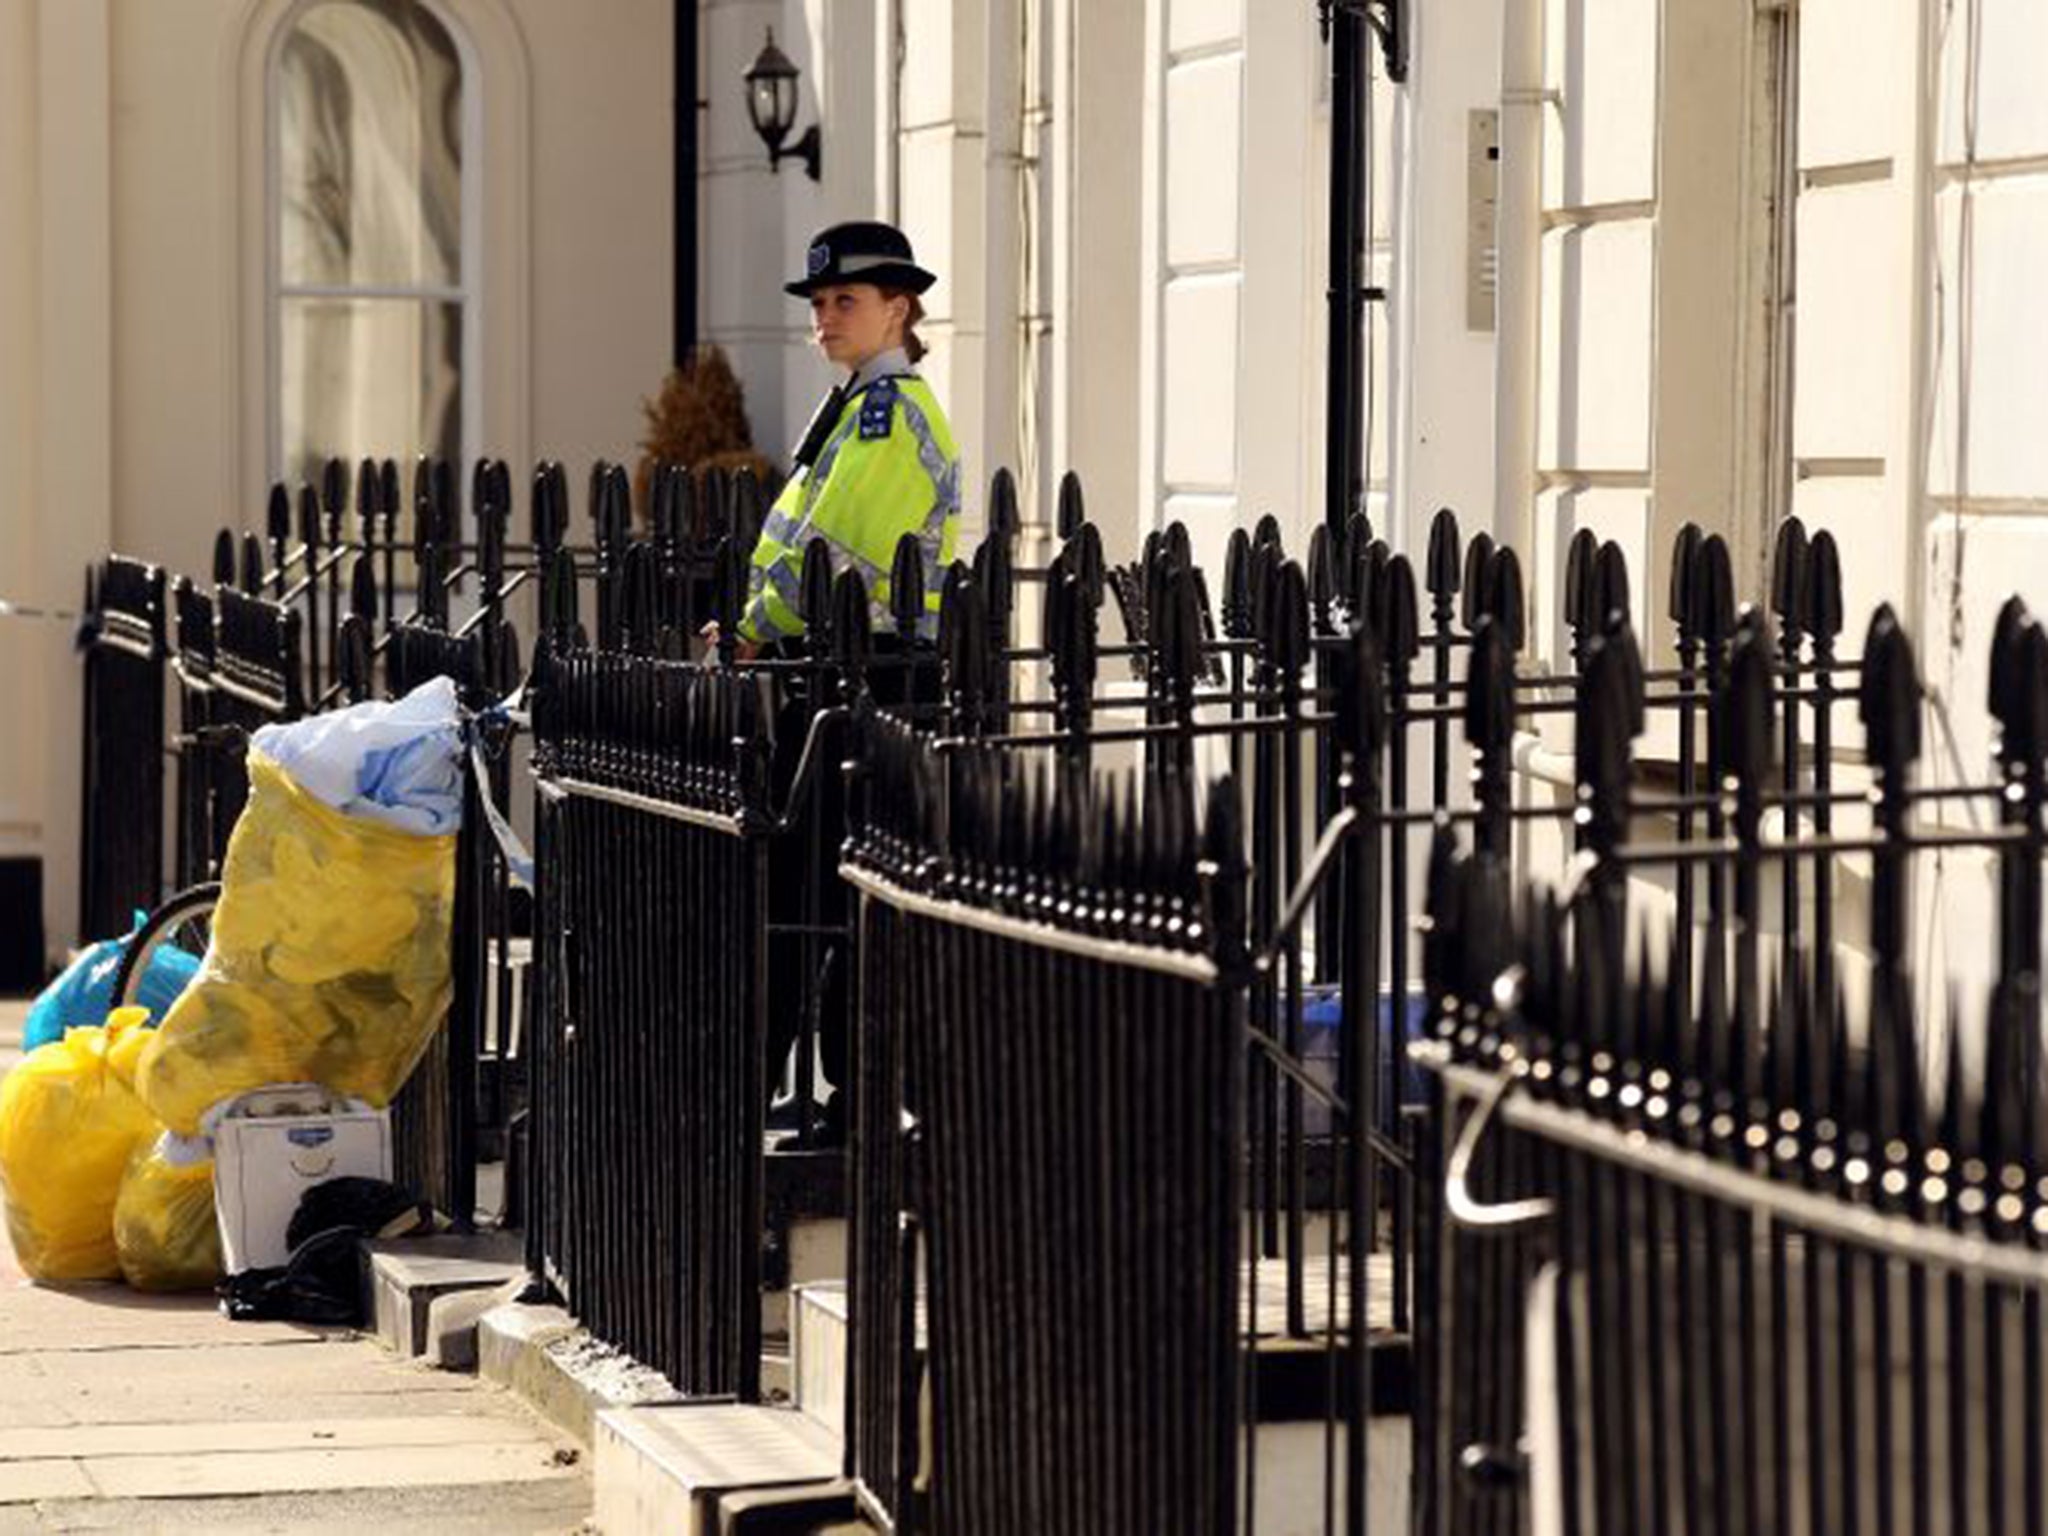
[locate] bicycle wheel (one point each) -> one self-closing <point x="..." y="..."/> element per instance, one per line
<point x="185" y="922"/>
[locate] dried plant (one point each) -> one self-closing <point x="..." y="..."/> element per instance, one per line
<point x="699" y="419"/>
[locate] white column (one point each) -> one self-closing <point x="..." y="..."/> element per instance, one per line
<point x="1096" y="250"/>
<point x="1283" y="367"/>
<point x="942" y="176"/>
<point x="747" y="240"/>
<point x="56" y="406"/>
<point x="1518" y="301"/>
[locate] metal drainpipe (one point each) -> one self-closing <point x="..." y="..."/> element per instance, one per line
<point x="686" y="110"/>
<point x="1345" y="462"/>
<point x="1517" y="242"/>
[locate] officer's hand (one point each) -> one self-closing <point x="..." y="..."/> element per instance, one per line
<point x="745" y="650"/>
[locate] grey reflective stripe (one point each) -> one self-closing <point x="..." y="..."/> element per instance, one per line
<point x="779" y="528"/>
<point x="945" y="478"/>
<point x="762" y="622"/>
<point x="882" y="618"/>
<point x="787" y="582"/>
<point x="944" y="472"/>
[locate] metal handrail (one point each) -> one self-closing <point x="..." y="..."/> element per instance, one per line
<point x="1636" y="1151"/>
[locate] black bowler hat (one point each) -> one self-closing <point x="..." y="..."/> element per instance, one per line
<point x="861" y="253"/>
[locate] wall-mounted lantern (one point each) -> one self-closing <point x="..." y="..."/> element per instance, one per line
<point x="771" y="102"/>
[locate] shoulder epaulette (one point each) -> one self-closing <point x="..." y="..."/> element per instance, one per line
<point x="877" y="408"/>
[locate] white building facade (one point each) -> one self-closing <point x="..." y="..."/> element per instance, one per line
<point x="1645" y="262"/>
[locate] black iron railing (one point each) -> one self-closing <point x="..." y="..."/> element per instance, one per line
<point x="1051" y="1099"/>
<point x="645" y="1191"/>
<point x="1718" y="1248"/>
<point x="121" y="769"/>
<point x="1138" y="1168"/>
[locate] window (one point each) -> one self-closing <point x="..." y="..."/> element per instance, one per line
<point x="1597" y="267"/>
<point x="373" y="335"/>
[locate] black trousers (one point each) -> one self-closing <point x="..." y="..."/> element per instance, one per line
<point x="810" y="910"/>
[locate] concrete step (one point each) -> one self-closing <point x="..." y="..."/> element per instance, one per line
<point x="817" y="1352"/>
<point x="1292" y="1381"/>
<point x="1292" y="1373"/>
<point x="566" y="1376"/>
<point x="426" y="1293"/>
<point x="673" y="1468"/>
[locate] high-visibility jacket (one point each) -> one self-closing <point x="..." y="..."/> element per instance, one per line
<point x="889" y="466"/>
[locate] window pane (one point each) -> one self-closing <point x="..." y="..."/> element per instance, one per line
<point x="370" y="147"/>
<point x="369" y="378"/>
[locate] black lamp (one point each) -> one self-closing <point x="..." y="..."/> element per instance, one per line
<point x="771" y="102"/>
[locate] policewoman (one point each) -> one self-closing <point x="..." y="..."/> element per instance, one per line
<point x="879" y="459"/>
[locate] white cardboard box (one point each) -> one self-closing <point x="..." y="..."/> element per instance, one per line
<point x="270" y="1148"/>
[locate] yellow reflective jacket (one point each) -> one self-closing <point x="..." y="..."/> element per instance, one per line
<point x="889" y="466"/>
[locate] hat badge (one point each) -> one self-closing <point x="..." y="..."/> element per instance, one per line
<point x="820" y="258"/>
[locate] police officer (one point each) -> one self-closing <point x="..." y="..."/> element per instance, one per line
<point x="879" y="460"/>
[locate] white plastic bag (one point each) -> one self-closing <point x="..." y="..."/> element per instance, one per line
<point x="398" y="763"/>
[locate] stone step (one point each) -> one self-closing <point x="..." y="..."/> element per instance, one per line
<point x="673" y="1468"/>
<point x="1293" y="1372"/>
<point x="817" y="1352"/>
<point x="426" y="1293"/>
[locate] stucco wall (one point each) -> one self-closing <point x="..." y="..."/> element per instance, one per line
<point x="131" y="308"/>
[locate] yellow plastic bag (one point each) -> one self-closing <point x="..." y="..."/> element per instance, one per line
<point x="69" y="1123"/>
<point x="164" y="1227"/>
<point x="329" y="962"/>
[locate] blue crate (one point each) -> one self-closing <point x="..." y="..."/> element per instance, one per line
<point x="1322" y="1017"/>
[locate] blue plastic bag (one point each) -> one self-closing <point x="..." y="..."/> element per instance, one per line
<point x="84" y="992"/>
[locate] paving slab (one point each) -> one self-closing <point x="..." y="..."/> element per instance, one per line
<point x="93" y="1441"/>
<point x="265" y="1372"/>
<point x="30" y="1482"/>
<point x="114" y="1317"/>
<point x="242" y="1472"/>
<point x="550" y="1507"/>
<point x="128" y="1413"/>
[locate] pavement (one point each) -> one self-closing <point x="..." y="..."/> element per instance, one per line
<point x="131" y="1413"/>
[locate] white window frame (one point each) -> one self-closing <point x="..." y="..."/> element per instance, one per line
<point x="468" y="294"/>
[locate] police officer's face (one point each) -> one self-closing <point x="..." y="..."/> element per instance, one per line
<point x="853" y="322"/>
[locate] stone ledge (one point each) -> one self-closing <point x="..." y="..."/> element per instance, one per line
<point x="566" y="1376"/>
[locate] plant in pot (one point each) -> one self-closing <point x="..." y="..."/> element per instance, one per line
<point x="700" y="420"/>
